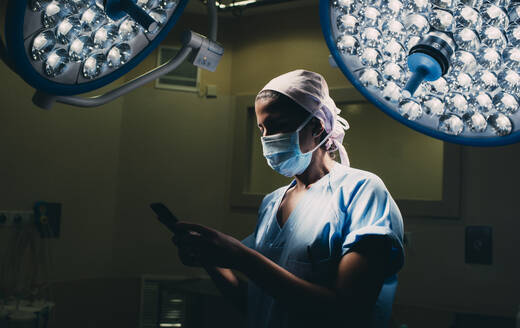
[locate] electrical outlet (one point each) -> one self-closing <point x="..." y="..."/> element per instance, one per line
<point x="479" y="244"/>
<point x="14" y="218"/>
<point x="47" y="218"/>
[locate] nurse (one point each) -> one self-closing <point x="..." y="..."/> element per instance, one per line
<point x="327" y="248"/>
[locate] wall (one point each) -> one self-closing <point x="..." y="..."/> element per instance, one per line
<point x="63" y="155"/>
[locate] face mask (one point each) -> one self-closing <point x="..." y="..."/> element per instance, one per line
<point x="283" y="153"/>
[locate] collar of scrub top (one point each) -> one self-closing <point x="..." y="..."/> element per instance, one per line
<point x="329" y="181"/>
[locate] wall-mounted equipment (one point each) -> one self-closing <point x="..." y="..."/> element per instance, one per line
<point x="448" y="69"/>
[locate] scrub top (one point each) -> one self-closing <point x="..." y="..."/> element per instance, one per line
<point x="332" y="215"/>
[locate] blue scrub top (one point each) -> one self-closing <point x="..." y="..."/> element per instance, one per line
<point x="333" y="214"/>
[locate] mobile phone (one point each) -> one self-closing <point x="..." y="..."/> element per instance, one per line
<point x="164" y="215"/>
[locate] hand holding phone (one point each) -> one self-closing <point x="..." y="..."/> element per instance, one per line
<point x="164" y="215"/>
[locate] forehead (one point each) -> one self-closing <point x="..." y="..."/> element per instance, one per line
<point x="276" y="109"/>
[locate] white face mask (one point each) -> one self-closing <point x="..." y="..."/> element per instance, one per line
<point x="283" y="152"/>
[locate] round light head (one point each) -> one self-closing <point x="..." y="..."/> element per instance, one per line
<point x="68" y="47"/>
<point x="475" y="100"/>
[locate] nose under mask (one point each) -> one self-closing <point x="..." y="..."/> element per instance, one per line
<point x="283" y="152"/>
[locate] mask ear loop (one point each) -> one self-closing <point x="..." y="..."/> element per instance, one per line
<point x="304" y="123"/>
<point x="321" y="143"/>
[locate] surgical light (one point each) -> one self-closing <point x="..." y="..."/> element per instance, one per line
<point x="446" y="68"/>
<point x="67" y="47"/>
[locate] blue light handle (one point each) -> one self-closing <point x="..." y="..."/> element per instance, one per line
<point x="117" y="9"/>
<point x="424" y="68"/>
<point x="416" y="79"/>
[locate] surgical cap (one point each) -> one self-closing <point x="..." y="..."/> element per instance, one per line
<point x="310" y="91"/>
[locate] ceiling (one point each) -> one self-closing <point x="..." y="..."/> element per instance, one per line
<point x="197" y="7"/>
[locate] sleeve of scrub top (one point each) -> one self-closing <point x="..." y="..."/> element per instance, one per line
<point x="249" y="240"/>
<point x="371" y="210"/>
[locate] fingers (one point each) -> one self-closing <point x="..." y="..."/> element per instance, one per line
<point x="185" y="227"/>
<point x="188" y="259"/>
<point x="190" y="253"/>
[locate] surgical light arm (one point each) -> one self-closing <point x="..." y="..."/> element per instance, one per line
<point x="206" y="54"/>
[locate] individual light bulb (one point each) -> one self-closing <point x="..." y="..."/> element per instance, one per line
<point x="489" y="58"/>
<point x="43" y="44"/>
<point x="118" y="55"/>
<point x="493" y="37"/>
<point x="80" y="48"/>
<point x="105" y="36"/>
<point x="92" y="18"/>
<point x="481" y="102"/>
<point x="68" y="29"/>
<point x="393" y="29"/>
<point x="369" y="16"/>
<point x="514" y="14"/>
<point x="433" y="105"/>
<point x="466" y="39"/>
<point x="345" y="6"/>
<point x="416" y="24"/>
<point x="392" y="92"/>
<point x="410" y="109"/>
<point x="56" y="62"/>
<point x="500" y="123"/>
<point x="509" y="81"/>
<point x="392" y="8"/>
<point x="459" y="81"/>
<point x="370" y="78"/>
<point x="511" y="56"/>
<point x="370" y="37"/>
<point x="456" y="102"/>
<point x="54" y="12"/>
<point x="94" y="66"/>
<point x="494" y="15"/>
<point x="371" y="57"/>
<point x="475" y="121"/>
<point x="439" y="86"/>
<point x="128" y="29"/>
<point x="464" y="61"/>
<point x="348" y="45"/>
<point x="393" y="72"/>
<point x="451" y="124"/>
<point x="394" y="50"/>
<point x="505" y="102"/>
<point x="466" y="16"/>
<point x="442" y="20"/>
<point x="486" y="80"/>
<point x="513" y="35"/>
<point x="348" y="24"/>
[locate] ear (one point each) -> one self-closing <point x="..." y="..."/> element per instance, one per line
<point x="318" y="128"/>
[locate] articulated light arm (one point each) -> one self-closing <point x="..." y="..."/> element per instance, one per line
<point x="207" y="56"/>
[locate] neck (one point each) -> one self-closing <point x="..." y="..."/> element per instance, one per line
<point x="320" y="165"/>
